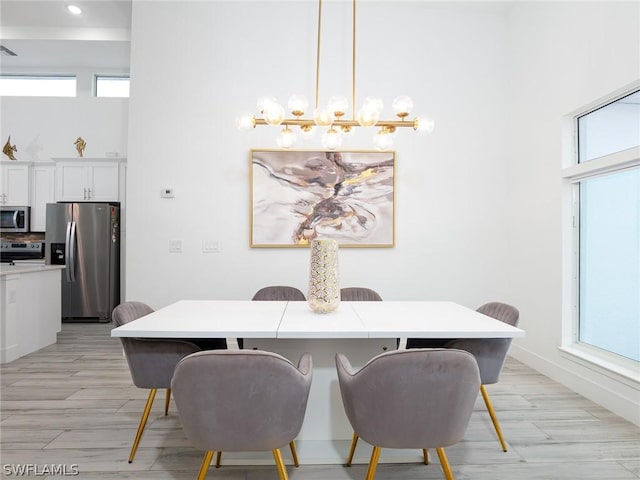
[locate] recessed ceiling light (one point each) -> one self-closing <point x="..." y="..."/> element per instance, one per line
<point x="74" y="9"/>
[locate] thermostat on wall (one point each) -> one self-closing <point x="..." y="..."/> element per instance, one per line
<point x="166" y="193"/>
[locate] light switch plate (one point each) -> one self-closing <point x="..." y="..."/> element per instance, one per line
<point x="210" y="246"/>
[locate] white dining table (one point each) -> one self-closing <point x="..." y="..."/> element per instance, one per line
<point x="360" y="330"/>
<point x="251" y="319"/>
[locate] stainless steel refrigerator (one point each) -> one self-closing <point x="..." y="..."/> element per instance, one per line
<point x="85" y="238"/>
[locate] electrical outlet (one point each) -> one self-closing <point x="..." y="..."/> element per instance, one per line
<point x="175" y="246"/>
<point x="210" y="246"/>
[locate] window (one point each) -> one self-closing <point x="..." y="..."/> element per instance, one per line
<point x="609" y="129"/>
<point x="37" y="86"/>
<point x="609" y="256"/>
<point x="110" y="86"/>
<point x="607" y="227"/>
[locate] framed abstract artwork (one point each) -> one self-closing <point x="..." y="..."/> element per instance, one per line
<point x="299" y="195"/>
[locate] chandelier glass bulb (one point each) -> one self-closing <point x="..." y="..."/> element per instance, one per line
<point x="323" y="117"/>
<point x="402" y="106"/>
<point x="338" y="106"/>
<point x="273" y="114"/>
<point x="424" y="124"/>
<point x="383" y="140"/>
<point x="331" y="139"/>
<point x="264" y="102"/>
<point x="307" y="131"/>
<point x="346" y="130"/>
<point x="368" y="117"/>
<point x="373" y="103"/>
<point x="287" y="138"/>
<point x="298" y="104"/>
<point x="246" y="122"/>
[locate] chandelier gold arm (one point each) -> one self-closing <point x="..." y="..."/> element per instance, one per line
<point x="392" y="124"/>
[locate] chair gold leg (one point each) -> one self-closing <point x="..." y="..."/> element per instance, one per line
<point x="282" y="471"/>
<point x="373" y="463"/>
<point x="143" y="422"/>
<point x="294" y="453"/>
<point x="167" y="399"/>
<point x="494" y="419"/>
<point x="444" y="463"/>
<point x="352" y="450"/>
<point x="204" y="468"/>
<point x="425" y="455"/>
<point x="218" y="458"/>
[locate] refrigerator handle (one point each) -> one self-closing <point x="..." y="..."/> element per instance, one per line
<point x="72" y="250"/>
<point x="67" y="253"/>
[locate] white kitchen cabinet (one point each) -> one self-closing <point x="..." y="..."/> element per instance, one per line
<point x="14" y="186"/>
<point x="42" y="192"/>
<point x="95" y="180"/>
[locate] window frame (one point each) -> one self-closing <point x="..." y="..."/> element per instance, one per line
<point x="611" y="364"/>
<point x="56" y="76"/>
<point x="615" y="99"/>
<point x="99" y="76"/>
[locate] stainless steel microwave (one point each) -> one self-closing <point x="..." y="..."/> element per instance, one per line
<point x="14" y="219"/>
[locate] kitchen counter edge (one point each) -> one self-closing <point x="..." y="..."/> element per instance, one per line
<point x="6" y="269"/>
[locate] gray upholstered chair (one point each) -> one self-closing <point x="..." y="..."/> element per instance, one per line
<point x="420" y="398"/>
<point x="279" y="293"/>
<point x="151" y="361"/>
<point x="360" y="294"/>
<point x="490" y="353"/>
<point x="241" y="401"/>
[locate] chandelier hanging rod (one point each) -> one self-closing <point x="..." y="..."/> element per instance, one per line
<point x="353" y="60"/>
<point x="318" y="53"/>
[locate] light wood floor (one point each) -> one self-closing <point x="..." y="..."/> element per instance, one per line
<point x="74" y="403"/>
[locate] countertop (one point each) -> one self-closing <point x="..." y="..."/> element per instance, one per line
<point x="8" y="269"/>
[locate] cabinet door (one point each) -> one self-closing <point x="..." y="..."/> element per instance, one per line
<point x="15" y="185"/>
<point x="71" y="182"/>
<point x="42" y="192"/>
<point x="104" y="182"/>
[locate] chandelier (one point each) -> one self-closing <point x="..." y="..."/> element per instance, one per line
<point x="331" y="117"/>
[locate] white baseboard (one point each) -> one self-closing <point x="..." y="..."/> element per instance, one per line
<point x="618" y="397"/>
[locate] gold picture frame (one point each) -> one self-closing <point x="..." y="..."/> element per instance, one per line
<point x="298" y="195"/>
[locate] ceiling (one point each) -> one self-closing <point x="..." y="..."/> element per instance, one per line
<point x="47" y="38"/>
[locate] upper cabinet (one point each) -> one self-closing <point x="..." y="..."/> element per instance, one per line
<point x="14" y="188"/>
<point x="88" y="180"/>
<point x="63" y="180"/>
<point x="42" y="192"/>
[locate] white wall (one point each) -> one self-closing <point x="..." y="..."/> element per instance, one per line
<point x="478" y="202"/>
<point x="562" y="56"/>
<point x="46" y="127"/>
<point x="187" y="89"/>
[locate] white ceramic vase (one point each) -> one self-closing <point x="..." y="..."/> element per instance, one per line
<point x="324" y="281"/>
